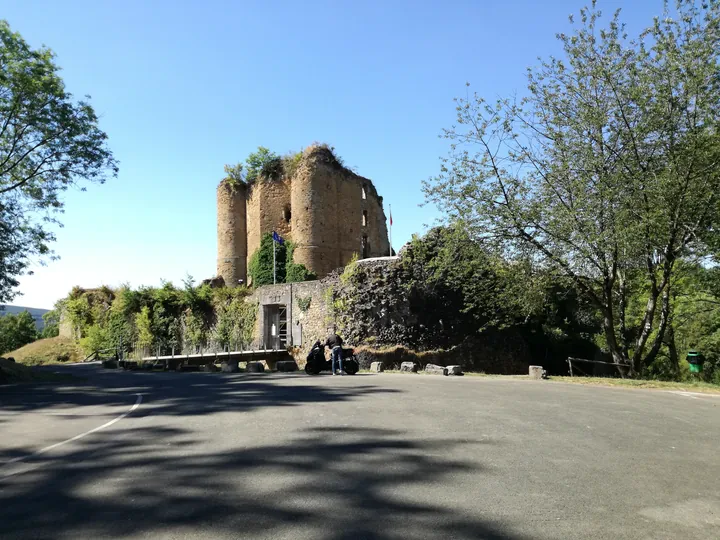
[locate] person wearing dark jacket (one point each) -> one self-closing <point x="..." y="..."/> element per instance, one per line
<point x="334" y="343"/>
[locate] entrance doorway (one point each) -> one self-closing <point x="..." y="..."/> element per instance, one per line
<point x="275" y="322"/>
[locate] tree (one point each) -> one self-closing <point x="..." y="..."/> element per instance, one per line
<point x="607" y="170"/>
<point x="16" y="331"/>
<point x="263" y="162"/>
<point x="52" y="323"/>
<point x="48" y="142"/>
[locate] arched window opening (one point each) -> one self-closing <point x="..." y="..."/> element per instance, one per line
<point x="286" y="214"/>
<point x="364" y="221"/>
<point x="364" y="191"/>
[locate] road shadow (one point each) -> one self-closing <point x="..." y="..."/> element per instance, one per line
<point x="325" y="483"/>
<point x="181" y="394"/>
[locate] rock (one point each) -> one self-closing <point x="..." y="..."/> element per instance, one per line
<point x="209" y="368"/>
<point x="454" y="370"/>
<point x="286" y="365"/>
<point x="255" y="367"/>
<point x="377" y="367"/>
<point x="435" y="369"/>
<point x="10" y="359"/>
<point x="230" y="366"/>
<point x="214" y="282"/>
<point x="537" y="372"/>
<point x="411" y="367"/>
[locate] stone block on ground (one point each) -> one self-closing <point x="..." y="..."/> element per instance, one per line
<point x="434" y="369"/>
<point x="454" y="370"/>
<point x="411" y="367"/>
<point x="255" y="367"/>
<point x="536" y="372"/>
<point x="210" y="368"/>
<point x="286" y="365"/>
<point x="229" y="366"/>
<point x="377" y="367"/>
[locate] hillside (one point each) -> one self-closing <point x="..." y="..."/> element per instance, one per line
<point x="47" y="351"/>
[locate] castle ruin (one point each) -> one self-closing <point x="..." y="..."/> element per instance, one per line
<point x="326" y="210"/>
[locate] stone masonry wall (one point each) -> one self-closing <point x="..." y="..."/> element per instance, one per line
<point x="231" y="233"/>
<point x="266" y="204"/>
<point x="307" y="326"/>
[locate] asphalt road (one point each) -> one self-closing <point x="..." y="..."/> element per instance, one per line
<point x="372" y="456"/>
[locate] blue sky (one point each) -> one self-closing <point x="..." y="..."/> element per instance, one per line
<point x="184" y="87"/>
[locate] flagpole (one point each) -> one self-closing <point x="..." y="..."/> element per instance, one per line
<point x="274" y="282"/>
<point x="390" y="206"/>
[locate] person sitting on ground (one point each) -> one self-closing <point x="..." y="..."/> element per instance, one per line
<point x="334" y="343"/>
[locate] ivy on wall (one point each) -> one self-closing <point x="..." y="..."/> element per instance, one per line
<point x="286" y="271"/>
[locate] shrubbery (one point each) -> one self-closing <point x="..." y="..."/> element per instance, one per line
<point x="161" y="320"/>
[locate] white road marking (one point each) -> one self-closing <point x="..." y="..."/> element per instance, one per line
<point x="75" y="438"/>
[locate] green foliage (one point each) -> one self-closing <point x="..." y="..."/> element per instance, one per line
<point x="606" y="173"/>
<point x="291" y="162"/>
<point x="265" y="163"/>
<point x="97" y="339"/>
<point x="161" y="320"/>
<point x="234" y="175"/>
<point x="304" y="303"/>
<point x="48" y="142"/>
<point x="295" y="272"/>
<point x="261" y="264"/>
<point x="16" y="331"/>
<point x="52" y="323"/>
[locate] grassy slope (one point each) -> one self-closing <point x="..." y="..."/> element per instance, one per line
<point x="47" y="351"/>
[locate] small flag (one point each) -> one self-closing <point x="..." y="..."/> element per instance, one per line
<point x="279" y="239"/>
<point x="391" y="217"/>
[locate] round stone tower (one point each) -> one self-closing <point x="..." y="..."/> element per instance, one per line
<point x="314" y="224"/>
<point x="232" y="233"/>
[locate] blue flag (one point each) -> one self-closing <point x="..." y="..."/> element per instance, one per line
<point x="279" y="239"/>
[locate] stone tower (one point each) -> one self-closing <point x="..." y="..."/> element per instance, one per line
<point x="232" y="232"/>
<point x="329" y="212"/>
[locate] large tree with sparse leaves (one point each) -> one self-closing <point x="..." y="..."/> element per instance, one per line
<point x="607" y="170"/>
<point x="49" y="141"/>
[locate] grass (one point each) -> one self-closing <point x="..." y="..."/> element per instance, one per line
<point x="12" y="372"/>
<point x="55" y="350"/>
<point x="687" y="386"/>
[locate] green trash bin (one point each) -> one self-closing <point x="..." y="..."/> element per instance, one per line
<point x="696" y="360"/>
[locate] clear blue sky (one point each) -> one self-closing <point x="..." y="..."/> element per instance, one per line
<point x="184" y="87"/>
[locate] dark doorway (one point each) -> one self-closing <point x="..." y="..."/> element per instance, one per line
<point x="275" y="326"/>
<point x="365" y="247"/>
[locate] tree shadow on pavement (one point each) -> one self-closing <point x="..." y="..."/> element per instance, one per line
<point x="182" y="394"/>
<point x="323" y="483"/>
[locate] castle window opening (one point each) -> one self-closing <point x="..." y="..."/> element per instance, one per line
<point x="286" y="214"/>
<point x="364" y="221"/>
<point x="364" y="191"/>
<point x="365" y="247"/>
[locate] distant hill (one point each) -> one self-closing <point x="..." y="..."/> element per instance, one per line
<point x="35" y="312"/>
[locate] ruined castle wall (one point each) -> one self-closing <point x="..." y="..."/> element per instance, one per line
<point x="350" y="227"/>
<point x="321" y="209"/>
<point x="377" y="226"/>
<point x="267" y="206"/>
<point x="231" y="233"/>
<point x="315" y="216"/>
